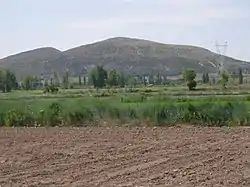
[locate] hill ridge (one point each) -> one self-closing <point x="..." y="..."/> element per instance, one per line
<point x="131" y="55"/>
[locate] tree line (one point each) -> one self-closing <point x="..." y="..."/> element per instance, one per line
<point x="190" y="75"/>
<point x="98" y="77"/>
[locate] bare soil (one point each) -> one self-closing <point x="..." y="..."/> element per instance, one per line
<point x="125" y="156"/>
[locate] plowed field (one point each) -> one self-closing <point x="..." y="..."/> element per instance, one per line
<point x="123" y="156"/>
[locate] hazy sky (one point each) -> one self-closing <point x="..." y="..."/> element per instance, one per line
<point x="29" y="24"/>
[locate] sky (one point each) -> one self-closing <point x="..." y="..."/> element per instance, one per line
<point x="63" y="24"/>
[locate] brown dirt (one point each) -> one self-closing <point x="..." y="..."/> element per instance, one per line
<point x="123" y="156"/>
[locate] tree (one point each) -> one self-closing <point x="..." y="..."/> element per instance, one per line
<point x="56" y="81"/>
<point x="132" y="82"/>
<point x="2" y="80"/>
<point x="240" y="76"/>
<point x="122" y="80"/>
<point x="224" y="79"/>
<point x="189" y="77"/>
<point x="204" y="78"/>
<point x="36" y="83"/>
<point x="51" y="81"/>
<point x="151" y="79"/>
<point x="80" y="80"/>
<point x="158" y="79"/>
<point x="84" y="81"/>
<point x="98" y="77"/>
<point x="207" y="78"/>
<point x="112" y="78"/>
<point x="213" y="81"/>
<point x="144" y="80"/>
<point x="7" y="80"/>
<point x="165" y="80"/>
<point x="46" y="82"/>
<point x="65" y="80"/>
<point x="28" y="83"/>
<point x="192" y="84"/>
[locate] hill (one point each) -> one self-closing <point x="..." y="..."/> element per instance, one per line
<point x="125" y="54"/>
<point x="32" y="62"/>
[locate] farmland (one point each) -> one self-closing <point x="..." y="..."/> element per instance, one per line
<point x="125" y="156"/>
<point x="140" y="136"/>
<point x="155" y="106"/>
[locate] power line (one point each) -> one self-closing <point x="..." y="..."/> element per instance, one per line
<point x="221" y="50"/>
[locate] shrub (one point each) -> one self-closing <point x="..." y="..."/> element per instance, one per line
<point x="16" y="118"/>
<point x="248" y="98"/>
<point x="79" y="118"/>
<point x="189" y="77"/>
<point x="55" y="114"/>
<point x="50" y="89"/>
<point x="191" y="85"/>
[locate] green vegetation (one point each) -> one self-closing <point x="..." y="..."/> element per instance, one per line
<point x="189" y="77"/>
<point x="113" y="97"/>
<point x="132" y="109"/>
<point x="51" y="89"/>
<point x="205" y="78"/>
<point x="240" y="76"/>
<point x="98" y="77"/>
<point x="65" y="80"/>
<point x="224" y="79"/>
<point x="7" y="81"/>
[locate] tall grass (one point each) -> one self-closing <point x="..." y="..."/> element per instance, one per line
<point x="136" y="108"/>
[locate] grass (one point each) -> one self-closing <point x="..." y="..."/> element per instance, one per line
<point x="156" y="105"/>
<point x="82" y="111"/>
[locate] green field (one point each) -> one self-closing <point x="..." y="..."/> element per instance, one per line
<point x="162" y="105"/>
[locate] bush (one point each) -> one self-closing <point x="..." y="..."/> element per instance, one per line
<point x="189" y="77"/>
<point x="191" y="85"/>
<point x="248" y="98"/>
<point x="51" y="89"/>
<point x="16" y="118"/>
<point x="55" y="114"/>
<point x="150" y="91"/>
<point x="79" y="118"/>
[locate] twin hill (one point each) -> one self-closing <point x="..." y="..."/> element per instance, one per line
<point x="124" y="54"/>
